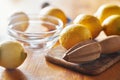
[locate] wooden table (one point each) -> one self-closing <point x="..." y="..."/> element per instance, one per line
<point x="35" y="66"/>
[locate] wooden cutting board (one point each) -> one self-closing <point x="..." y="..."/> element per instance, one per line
<point x="95" y="67"/>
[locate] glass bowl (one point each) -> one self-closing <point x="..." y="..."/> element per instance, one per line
<point x="39" y="32"/>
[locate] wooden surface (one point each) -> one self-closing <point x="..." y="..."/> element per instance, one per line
<point x="35" y="66"/>
<point x="95" y="67"/>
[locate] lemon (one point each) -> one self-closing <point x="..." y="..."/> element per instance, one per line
<point x="17" y="18"/>
<point x="111" y="25"/>
<point x="12" y="54"/>
<point x="73" y="34"/>
<point x="90" y="22"/>
<point x="54" y="11"/>
<point x="107" y="10"/>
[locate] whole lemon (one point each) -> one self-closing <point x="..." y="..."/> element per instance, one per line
<point x="111" y="25"/>
<point x="107" y="10"/>
<point x="12" y="54"/>
<point x="54" y="11"/>
<point x="19" y="17"/>
<point x="90" y="22"/>
<point x="73" y="34"/>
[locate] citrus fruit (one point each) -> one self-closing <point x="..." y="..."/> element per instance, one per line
<point x="107" y="10"/>
<point x="54" y="11"/>
<point x="90" y="22"/>
<point x="19" y="17"/>
<point x="12" y="54"/>
<point x="111" y="25"/>
<point x="73" y="34"/>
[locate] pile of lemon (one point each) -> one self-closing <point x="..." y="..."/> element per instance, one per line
<point x="85" y="26"/>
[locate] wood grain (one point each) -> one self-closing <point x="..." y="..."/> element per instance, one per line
<point x="94" y="67"/>
<point x="35" y="66"/>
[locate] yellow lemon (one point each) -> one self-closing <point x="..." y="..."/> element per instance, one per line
<point x="111" y="25"/>
<point x="73" y="34"/>
<point x="19" y="17"/>
<point x="90" y="22"/>
<point x="12" y="54"/>
<point x="56" y="12"/>
<point x="107" y="10"/>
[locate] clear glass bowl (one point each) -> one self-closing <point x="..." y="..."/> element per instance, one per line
<point x="39" y="32"/>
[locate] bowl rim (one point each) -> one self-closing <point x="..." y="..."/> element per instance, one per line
<point x="58" y="27"/>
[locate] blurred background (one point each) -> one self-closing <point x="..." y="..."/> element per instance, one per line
<point x="71" y="8"/>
